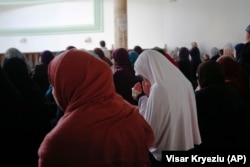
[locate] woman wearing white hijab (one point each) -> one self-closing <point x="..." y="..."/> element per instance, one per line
<point x="169" y="104"/>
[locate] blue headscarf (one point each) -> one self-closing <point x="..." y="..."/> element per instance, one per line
<point x="238" y="48"/>
<point x="133" y="57"/>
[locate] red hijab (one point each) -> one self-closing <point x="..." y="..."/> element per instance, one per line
<point x="98" y="127"/>
<point x="234" y="75"/>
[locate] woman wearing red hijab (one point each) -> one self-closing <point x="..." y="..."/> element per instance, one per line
<point x="235" y="76"/>
<point x="98" y="127"/>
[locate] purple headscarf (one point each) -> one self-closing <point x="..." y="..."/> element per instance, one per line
<point x="46" y="57"/>
<point x="124" y="74"/>
<point x="121" y="58"/>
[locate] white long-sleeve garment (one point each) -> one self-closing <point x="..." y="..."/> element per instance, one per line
<point x="170" y="108"/>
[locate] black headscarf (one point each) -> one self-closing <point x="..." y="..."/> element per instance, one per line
<point x="210" y="73"/>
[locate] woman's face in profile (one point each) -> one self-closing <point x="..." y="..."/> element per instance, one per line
<point x="146" y="85"/>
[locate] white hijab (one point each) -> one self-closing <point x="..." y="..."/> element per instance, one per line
<point x="171" y="107"/>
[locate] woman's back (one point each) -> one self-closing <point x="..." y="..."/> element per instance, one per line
<point x="221" y="113"/>
<point x="221" y="116"/>
<point x="170" y="106"/>
<point x="98" y="128"/>
<point x="124" y="75"/>
<point x="29" y="121"/>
